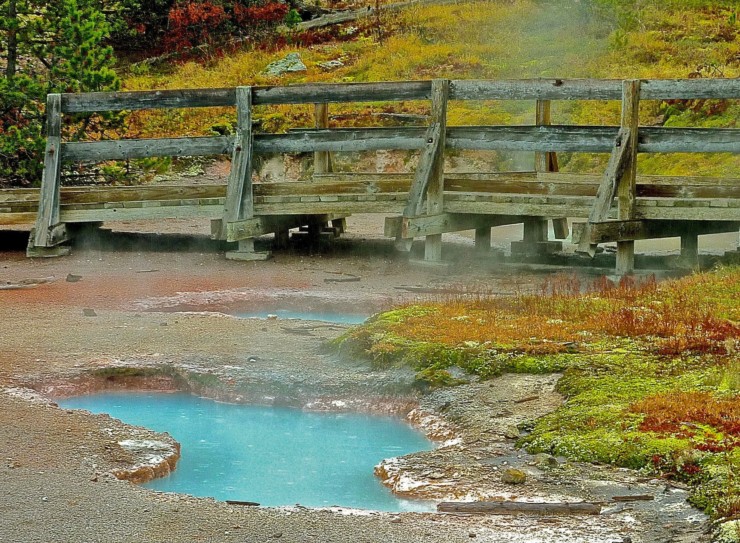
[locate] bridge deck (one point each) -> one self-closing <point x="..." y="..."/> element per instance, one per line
<point x="517" y="193"/>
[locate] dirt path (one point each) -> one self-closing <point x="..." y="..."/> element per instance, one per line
<point x="113" y="319"/>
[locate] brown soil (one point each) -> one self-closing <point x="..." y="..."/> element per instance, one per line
<point x="104" y="318"/>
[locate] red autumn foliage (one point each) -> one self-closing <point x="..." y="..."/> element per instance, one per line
<point x="261" y="14"/>
<point x="676" y="412"/>
<point x="192" y="23"/>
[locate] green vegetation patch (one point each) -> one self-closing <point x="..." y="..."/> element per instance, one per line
<point x="651" y="377"/>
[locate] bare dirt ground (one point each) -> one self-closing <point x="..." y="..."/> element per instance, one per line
<point x="147" y="311"/>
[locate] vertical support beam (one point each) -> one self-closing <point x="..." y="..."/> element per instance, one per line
<point x="48" y="215"/>
<point x="690" y="250"/>
<point x="626" y="189"/>
<point x="239" y="197"/>
<point x="548" y="162"/>
<point x="429" y="177"/>
<point x="321" y="159"/>
<point x="483" y="240"/>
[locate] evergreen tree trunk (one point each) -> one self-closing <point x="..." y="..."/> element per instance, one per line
<point x="12" y="39"/>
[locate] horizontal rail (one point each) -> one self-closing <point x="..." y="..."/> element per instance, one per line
<point x="135" y="100"/>
<point x="584" y="139"/>
<point x="520" y="89"/>
<point x="592" y="89"/>
<point x="96" y="151"/>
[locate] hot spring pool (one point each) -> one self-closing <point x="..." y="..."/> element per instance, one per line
<point x="270" y="455"/>
<point x="335" y="317"/>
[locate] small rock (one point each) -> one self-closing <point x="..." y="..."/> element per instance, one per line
<point x="436" y="475"/>
<point x="72" y="278"/>
<point x="513" y="476"/>
<point x="277" y="535"/>
<point x="472" y="535"/>
<point x="272" y="317"/>
<point x="89" y="312"/>
<point x="331" y="65"/>
<point x="252" y="359"/>
<point x="545" y="461"/>
<point x="291" y="63"/>
<point x="44" y="499"/>
<point x="511" y="432"/>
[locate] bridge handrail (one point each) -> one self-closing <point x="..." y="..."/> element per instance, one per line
<point x="623" y="142"/>
<point x="463" y="89"/>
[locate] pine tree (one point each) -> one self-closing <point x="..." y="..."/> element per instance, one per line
<point x="46" y="47"/>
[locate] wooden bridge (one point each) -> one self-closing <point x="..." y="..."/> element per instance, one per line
<point x="618" y="206"/>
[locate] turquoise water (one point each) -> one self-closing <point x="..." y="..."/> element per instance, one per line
<point x="270" y="455"/>
<point x="325" y="316"/>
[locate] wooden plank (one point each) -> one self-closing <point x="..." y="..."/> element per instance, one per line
<point x="239" y="196"/>
<point x="311" y="93"/>
<point x="689" y="140"/>
<point x="538" y="89"/>
<point x="646" y="209"/>
<point x="628" y="180"/>
<point x="592" y="89"/>
<point x="535" y="89"/>
<point x="548" y="162"/>
<point x="258" y="226"/>
<point x="612" y="231"/>
<point x="524" y="508"/>
<point x="321" y="159"/>
<point x="592" y="139"/>
<point x="97" y="151"/>
<point x="340" y="140"/>
<point x="48" y="215"/>
<point x="442" y="223"/>
<point x="350" y="186"/>
<point x="338" y="208"/>
<point x="587" y="139"/>
<point x="157" y="99"/>
<point x="143" y="213"/>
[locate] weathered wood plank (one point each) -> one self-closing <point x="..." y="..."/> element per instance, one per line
<point x="341" y="140"/>
<point x="48" y="215"/>
<point x="627" y="183"/>
<point x="592" y="89"/>
<point x="311" y="93"/>
<point x="143" y="213"/>
<point x="587" y="139"/>
<point x="239" y="195"/>
<point x="321" y="159"/>
<point x="514" y="508"/>
<point x="611" y="231"/>
<point x="258" y="226"/>
<point x="137" y="100"/>
<point x="97" y="151"/>
<point x="442" y="223"/>
<point x="689" y="140"/>
<point x="538" y="89"/>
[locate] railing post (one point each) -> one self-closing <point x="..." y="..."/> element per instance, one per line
<point x="435" y="188"/>
<point x="626" y="188"/>
<point x="48" y="231"/>
<point x="239" y="197"/>
<point x="321" y="159"/>
<point x="548" y="162"/>
<point x="429" y="178"/>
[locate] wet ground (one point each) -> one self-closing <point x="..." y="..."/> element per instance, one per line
<point x="153" y="312"/>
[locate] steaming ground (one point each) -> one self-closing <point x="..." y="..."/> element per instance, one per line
<point x="103" y="308"/>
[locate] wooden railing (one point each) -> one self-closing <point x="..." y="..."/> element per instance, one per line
<point x="426" y="191"/>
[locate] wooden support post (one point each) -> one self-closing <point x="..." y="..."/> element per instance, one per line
<point x="483" y="240"/>
<point x="548" y="162"/>
<point x="627" y="186"/>
<point x="690" y="250"/>
<point x="321" y="159"/>
<point x="239" y="197"/>
<point x="48" y="232"/>
<point x="429" y="178"/>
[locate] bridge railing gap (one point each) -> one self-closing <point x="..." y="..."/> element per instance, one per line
<point x="427" y="204"/>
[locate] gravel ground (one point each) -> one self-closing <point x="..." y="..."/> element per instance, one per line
<point x="93" y="320"/>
